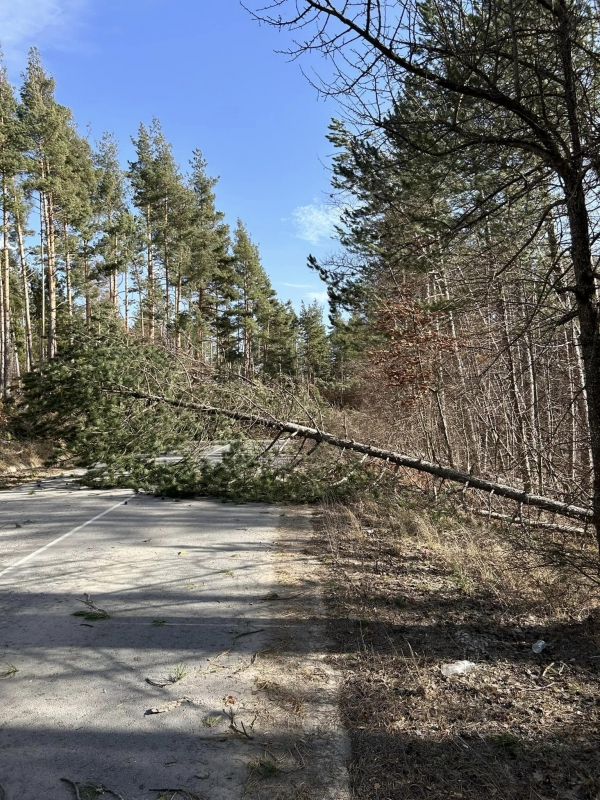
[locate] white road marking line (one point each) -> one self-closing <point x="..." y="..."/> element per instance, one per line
<point x="60" y="538"/>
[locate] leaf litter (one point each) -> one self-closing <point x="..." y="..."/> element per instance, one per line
<point x="410" y="593"/>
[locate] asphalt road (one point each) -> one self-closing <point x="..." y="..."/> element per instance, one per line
<point x="182" y="582"/>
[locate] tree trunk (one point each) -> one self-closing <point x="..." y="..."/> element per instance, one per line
<point x="114" y="298"/>
<point x="42" y="278"/>
<point x="68" y="270"/>
<point x="51" y="275"/>
<point x="26" y="303"/>
<point x="177" y="309"/>
<point x="6" y="320"/>
<point x="88" y="298"/>
<point x="126" y="298"/>
<point x="3" y="343"/>
<point x="201" y="323"/>
<point x="587" y="313"/>
<point x="150" y="265"/>
<point x="585" y="292"/>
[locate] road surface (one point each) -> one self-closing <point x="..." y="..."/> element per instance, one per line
<point x="197" y="600"/>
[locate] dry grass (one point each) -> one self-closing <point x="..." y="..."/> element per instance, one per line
<point x="23" y="461"/>
<point x="411" y="591"/>
<point x="267" y="773"/>
<point x="282" y="696"/>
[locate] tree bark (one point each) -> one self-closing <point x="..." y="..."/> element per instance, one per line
<point x="126" y="297"/>
<point x="42" y="278"/>
<point x="68" y="270"/>
<point x="50" y="274"/>
<point x="150" y="266"/>
<point x="26" y="302"/>
<point x="6" y="319"/>
<point x="178" y="309"/>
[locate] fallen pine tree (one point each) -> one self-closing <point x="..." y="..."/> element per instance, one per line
<point x="371" y="451"/>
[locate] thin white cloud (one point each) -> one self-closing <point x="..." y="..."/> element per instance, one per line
<point x="24" y="23"/>
<point x="297" y="285"/>
<point x="320" y="297"/>
<point x="315" y="223"/>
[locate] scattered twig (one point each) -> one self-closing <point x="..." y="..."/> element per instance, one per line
<point x="93" y="611"/>
<point x="188" y="794"/>
<point x="246" y="633"/>
<point x="160" y="684"/>
<point x="558" y="669"/>
<point x="234" y="727"/>
<point x="540" y="688"/>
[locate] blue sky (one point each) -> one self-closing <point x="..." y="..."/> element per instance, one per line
<point x="213" y="78"/>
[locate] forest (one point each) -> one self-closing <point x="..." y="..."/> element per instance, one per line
<point x="88" y="244"/>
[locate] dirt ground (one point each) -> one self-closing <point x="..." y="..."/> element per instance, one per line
<point x="409" y="592"/>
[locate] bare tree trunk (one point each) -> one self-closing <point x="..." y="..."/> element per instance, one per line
<point x="114" y="297"/>
<point x="586" y="294"/>
<point x="517" y="403"/>
<point x="88" y="299"/>
<point x="126" y="298"/>
<point x="42" y="278"/>
<point x="150" y="266"/>
<point x="51" y="253"/>
<point x="6" y="320"/>
<point x="586" y="450"/>
<point x="201" y="323"/>
<point x="587" y="311"/>
<point x="572" y="455"/>
<point x="26" y="301"/>
<point x="531" y="395"/>
<point x="68" y="270"/>
<point x="444" y="426"/>
<point x="177" y="309"/>
<point x="16" y="361"/>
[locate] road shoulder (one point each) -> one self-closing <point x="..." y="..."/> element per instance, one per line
<point x="296" y="688"/>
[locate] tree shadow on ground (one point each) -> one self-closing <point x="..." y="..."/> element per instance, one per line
<point x="517" y="725"/>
